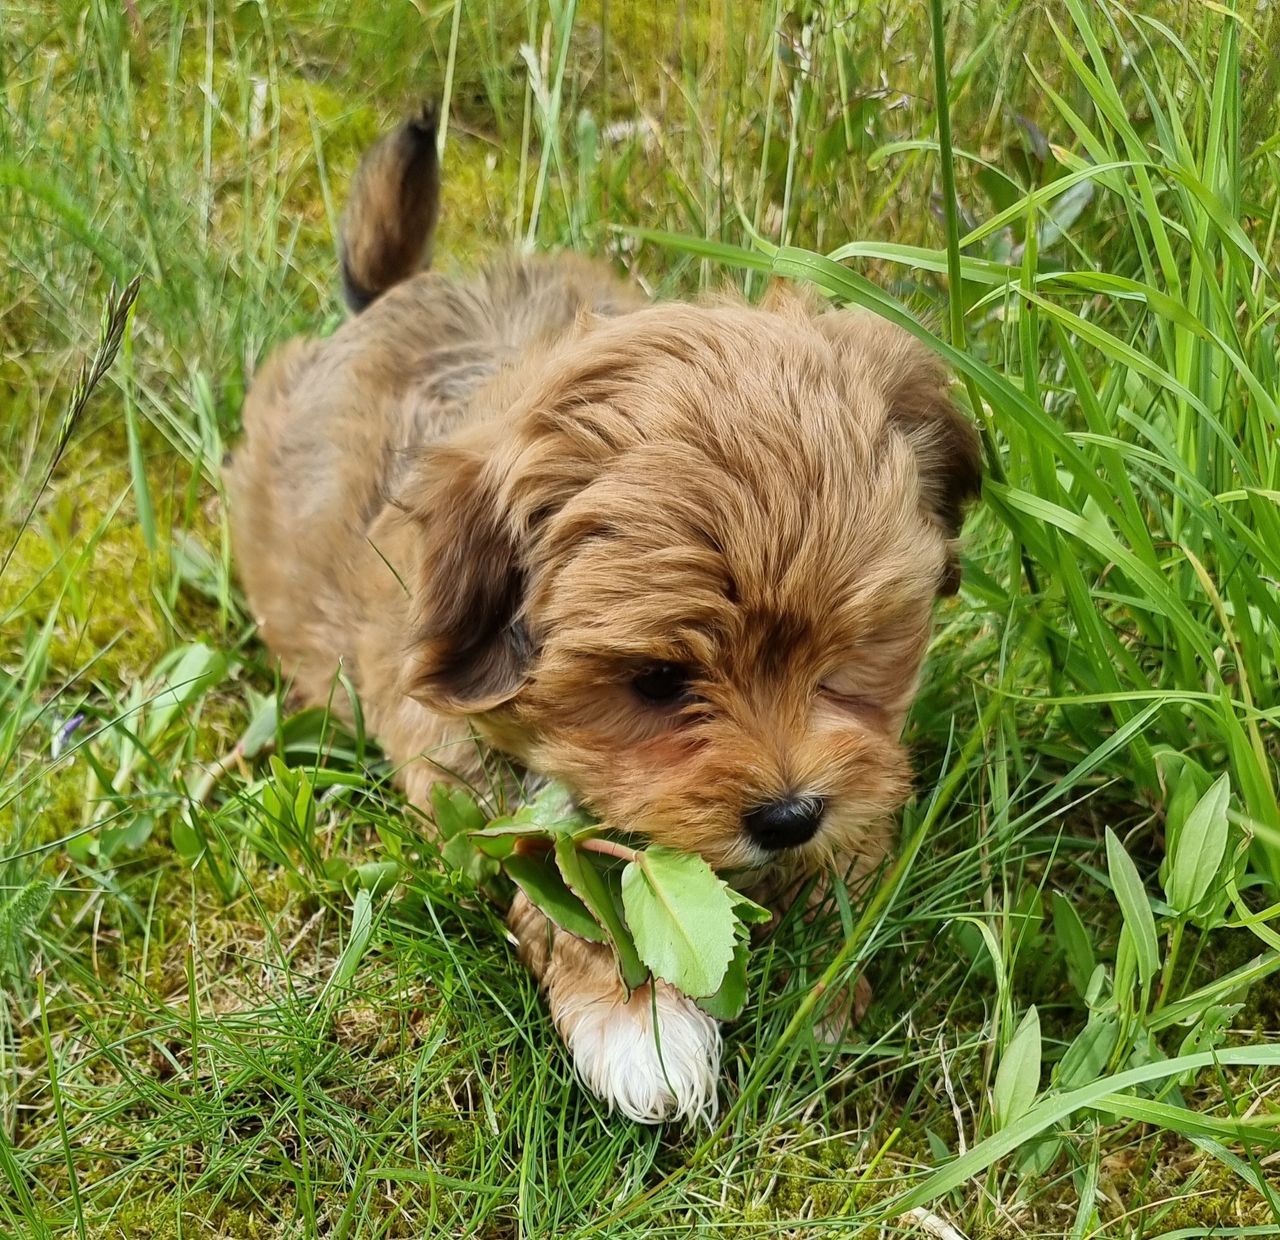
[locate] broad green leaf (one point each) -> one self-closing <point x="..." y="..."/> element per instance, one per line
<point x="1237" y="982"/>
<point x="281" y="775"/>
<point x="500" y="841"/>
<point x="1126" y="969"/>
<point x="1064" y="213"/>
<point x="1199" y="849"/>
<point x="937" y="1146"/>
<point x="540" y="881"/>
<point x="455" y="811"/>
<point x="553" y="808"/>
<point x="126" y="838"/>
<point x="1073" y="938"/>
<point x="391" y="838"/>
<point x="377" y="877"/>
<point x="727" y="1003"/>
<point x="681" y="916"/>
<point x="1018" y="1077"/>
<point x="462" y="857"/>
<point x="1095" y="993"/>
<point x="1209" y="1031"/>
<point x="548" y="814"/>
<point x="457" y="816"/>
<point x="304" y="728"/>
<point x="1134" y="905"/>
<point x="337" y="870"/>
<point x="1186" y="781"/>
<point x="309" y="734"/>
<point x="1038" y="1155"/>
<point x="304" y="802"/>
<point x="187" y="842"/>
<point x="1087" y="1057"/>
<point x="602" y="895"/>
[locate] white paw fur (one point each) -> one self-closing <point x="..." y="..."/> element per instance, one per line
<point x="648" y="1079"/>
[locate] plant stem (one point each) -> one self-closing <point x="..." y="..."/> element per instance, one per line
<point x="610" y="848"/>
<point x="1170" y="961"/>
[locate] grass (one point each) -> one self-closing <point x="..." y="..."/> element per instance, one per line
<point x="257" y="1005"/>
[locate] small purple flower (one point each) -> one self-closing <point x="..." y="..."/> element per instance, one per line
<point x="63" y="735"/>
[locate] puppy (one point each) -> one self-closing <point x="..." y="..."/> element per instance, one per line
<point x="681" y="557"/>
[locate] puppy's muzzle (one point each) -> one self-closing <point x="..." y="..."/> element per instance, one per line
<point x="786" y="823"/>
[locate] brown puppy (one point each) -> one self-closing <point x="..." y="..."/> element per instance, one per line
<point x="682" y="558"/>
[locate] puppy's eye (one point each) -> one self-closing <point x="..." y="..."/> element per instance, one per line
<point x="662" y="684"/>
<point x="848" y="691"/>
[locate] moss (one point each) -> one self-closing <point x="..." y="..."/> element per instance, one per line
<point x="803" y="1173"/>
<point x="1227" y="950"/>
<point x="88" y="568"/>
<point x="1261" y="1011"/>
<point x="479" y="201"/>
<point x="155" y="1216"/>
<point x="1179" y="1189"/>
<point x="48" y="808"/>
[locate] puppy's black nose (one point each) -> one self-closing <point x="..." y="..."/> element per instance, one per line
<point x="785" y="823"/>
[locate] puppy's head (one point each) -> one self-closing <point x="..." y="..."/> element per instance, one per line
<point x="690" y="571"/>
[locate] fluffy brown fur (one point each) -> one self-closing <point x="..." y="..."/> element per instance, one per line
<point x="394" y="205"/>
<point x="501" y="503"/>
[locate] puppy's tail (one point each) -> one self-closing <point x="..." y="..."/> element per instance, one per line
<point x="392" y="210"/>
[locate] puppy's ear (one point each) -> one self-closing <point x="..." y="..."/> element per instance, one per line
<point x="915" y="386"/>
<point x="470" y="648"/>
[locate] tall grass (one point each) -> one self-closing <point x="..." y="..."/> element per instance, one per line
<point x="1135" y="409"/>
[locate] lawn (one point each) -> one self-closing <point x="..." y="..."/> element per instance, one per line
<point x="242" y="996"/>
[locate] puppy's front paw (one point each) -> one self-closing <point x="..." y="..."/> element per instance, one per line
<point x="649" y="1079"/>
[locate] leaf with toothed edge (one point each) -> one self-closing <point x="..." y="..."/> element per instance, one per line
<point x="682" y="918"/>
<point x="553" y="809"/>
<point x="727" y="1003"/>
<point x="600" y="892"/>
<point x="500" y="841"/>
<point x="669" y="916"/>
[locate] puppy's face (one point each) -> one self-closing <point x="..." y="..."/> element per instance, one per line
<point x="690" y="572"/>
